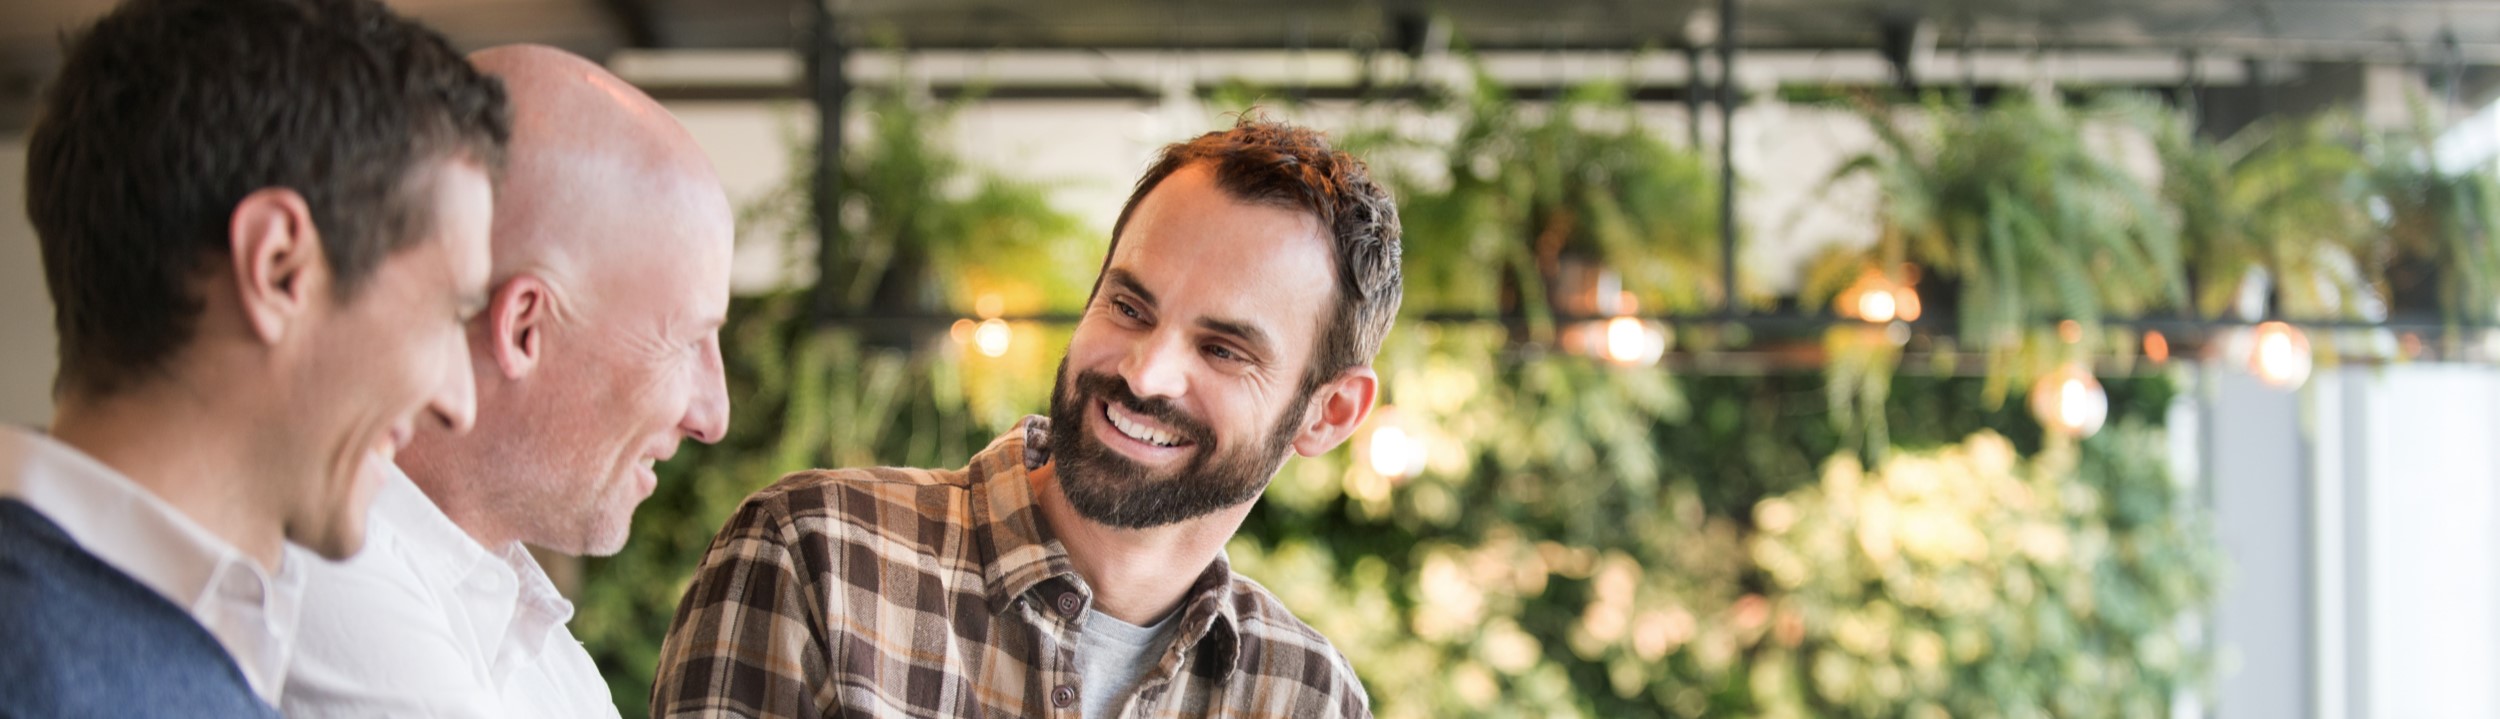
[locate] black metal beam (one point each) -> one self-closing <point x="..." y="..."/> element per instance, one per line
<point x="1727" y="159"/>
<point x="829" y="88"/>
<point x="637" y="21"/>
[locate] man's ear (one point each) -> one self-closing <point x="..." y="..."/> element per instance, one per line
<point x="275" y="252"/>
<point x="1336" y="410"/>
<point x="517" y="318"/>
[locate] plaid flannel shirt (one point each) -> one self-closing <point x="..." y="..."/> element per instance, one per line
<point x="896" y="592"/>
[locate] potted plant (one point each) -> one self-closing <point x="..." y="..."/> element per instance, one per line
<point x="2437" y="258"/>
<point x="1525" y="200"/>
<point x="2016" y="217"/>
<point x="2282" y="200"/>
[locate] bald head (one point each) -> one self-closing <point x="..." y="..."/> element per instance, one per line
<point x="598" y="352"/>
<point x="584" y="139"/>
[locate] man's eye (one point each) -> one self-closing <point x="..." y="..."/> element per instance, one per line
<point x="1125" y="310"/>
<point x="1221" y="352"/>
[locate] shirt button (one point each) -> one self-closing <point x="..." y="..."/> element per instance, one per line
<point x="1063" y="696"/>
<point x="1069" y="603"/>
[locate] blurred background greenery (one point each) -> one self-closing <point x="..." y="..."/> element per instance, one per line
<point x="1540" y="521"/>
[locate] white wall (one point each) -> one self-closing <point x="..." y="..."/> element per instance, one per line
<point x="26" y="338"/>
<point x="2256" y="472"/>
<point x="2427" y="613"/>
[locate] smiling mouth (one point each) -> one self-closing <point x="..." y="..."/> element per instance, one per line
<point x="1137" y="429"/>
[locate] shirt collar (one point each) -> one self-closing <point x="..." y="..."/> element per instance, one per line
<point x="251" y="613"/>
<point x="1018" y="553"/>
<point x="519" y="609"/>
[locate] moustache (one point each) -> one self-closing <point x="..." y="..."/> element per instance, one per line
<point x="1161" y="410"/>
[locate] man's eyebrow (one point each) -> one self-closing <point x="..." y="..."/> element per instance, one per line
<point x="1126" y="282"/>
<point x="1247" y="333"/>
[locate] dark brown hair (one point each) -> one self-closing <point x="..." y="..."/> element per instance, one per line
<point x="168" y="112"/>
<point x="1273" y="163"/>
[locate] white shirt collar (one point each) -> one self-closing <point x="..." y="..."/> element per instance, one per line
<point x="252" y="614"/>
<point x="496" y="582"/>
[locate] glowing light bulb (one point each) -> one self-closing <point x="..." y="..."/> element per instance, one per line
<point x="1876" y="299"/>
<point x="992" y="337"/>
<point x="2280" y="356"/>
<point x="1876" y="305"/>
<point x="1389" y="451"/>
<point x="2070" y="402"/>
<point x="1393" y="451"/>
<point x="1629" y="341"/>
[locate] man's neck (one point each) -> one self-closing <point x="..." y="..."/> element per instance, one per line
<point x="172" y="442"/>
<point x="445" y="479"/>
<point x="1138" y="575"/>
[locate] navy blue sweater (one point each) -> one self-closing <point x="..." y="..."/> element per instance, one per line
<point x="79" y="638"/>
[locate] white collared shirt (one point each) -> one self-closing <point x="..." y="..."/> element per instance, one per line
<point x="252" y="614"/>
<point x="425" y="622"/>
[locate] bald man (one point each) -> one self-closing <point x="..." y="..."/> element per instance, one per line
<point x="597" y="354"/>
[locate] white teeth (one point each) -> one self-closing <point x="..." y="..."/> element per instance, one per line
<point x="1137" y="431"/>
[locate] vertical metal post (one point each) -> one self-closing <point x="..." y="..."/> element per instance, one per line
<point x="1727" y="156"/>
<point x="1694" y="86"/>
<point x="828" y="87"/>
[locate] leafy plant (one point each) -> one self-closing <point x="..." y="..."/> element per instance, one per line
<point x="2282" y="196"/>
<point x="1968" y="581"/>
<point x="2438" y="254"/>
<point x="1523" y="573"/>
<point x="2018" y="218"/>
<point x="1498" y="209"/>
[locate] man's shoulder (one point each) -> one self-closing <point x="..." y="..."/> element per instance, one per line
<point x="83" y="636"/>
<point x="866" y="496"/>
<point x="1277" y="646"/>
<point x="50" y="583"/>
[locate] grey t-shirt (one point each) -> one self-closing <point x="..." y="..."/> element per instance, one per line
<point x="1114" y="655"/>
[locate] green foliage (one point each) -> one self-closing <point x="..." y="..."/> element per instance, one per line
<point x="1517" y="576"/>
<point x="1494" y="210"/>
<point x="1966" y="581"/>
<point x="2282" y="196"/>
<point x="2019" y="208"/>
<point x="910" y="207"/>
<point x="2438" y="248"/>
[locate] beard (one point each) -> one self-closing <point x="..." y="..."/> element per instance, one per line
<point x="1107" y="487"/>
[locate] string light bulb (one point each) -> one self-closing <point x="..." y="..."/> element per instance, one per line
<point x="2070" y="401"/>
<point x="1877" y="299"/>
<point x="2279" y="355"/>
<point x="1630" y="342"/>
<point x="992" y="337"/>
<point x="1391" y="451"/>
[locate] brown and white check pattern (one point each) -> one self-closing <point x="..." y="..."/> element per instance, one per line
<point x="896" y="592"/>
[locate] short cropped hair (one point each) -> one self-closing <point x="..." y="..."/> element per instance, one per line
<point x="1273" y="163"/>
<point x="168" y="112"/>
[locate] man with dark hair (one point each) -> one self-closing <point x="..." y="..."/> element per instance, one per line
<point x="262" y="223"/>
<point x="1076" y="568"/>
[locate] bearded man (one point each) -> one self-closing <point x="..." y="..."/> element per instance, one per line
<point x="1076" y="567"/>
